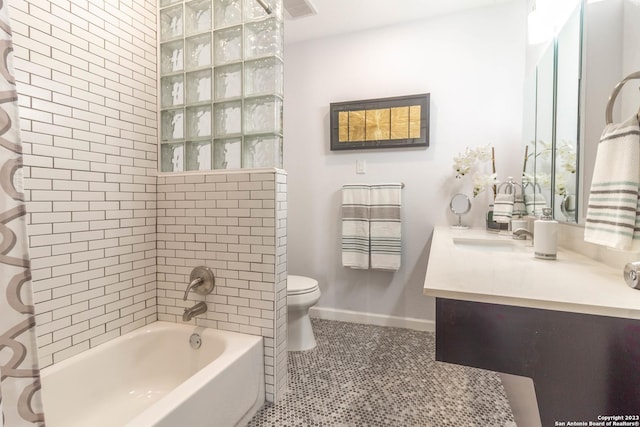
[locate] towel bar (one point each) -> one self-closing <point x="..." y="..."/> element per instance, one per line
<point x="616" y="90"/>
<point x="401" y="184"/>
<point x="511" y="186"/>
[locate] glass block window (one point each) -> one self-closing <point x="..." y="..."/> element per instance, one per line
<point x="221" y="85"/>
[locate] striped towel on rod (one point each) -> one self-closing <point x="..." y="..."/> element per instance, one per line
<point x="355" y="226"/>
<point x="534" y="201"/>
<point x="385" y="226"/>
<point x="519" y="208"/>
<point x="503" y="207"/>
<point x="613" y="209"/>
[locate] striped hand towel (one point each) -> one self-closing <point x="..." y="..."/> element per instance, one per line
<point x="355" y="225"/>
<point x="535" y="201"/>
<point x="519" y="209"/>
<point x="385" y="226"/>
<point x="612" y="212"/>
<point x="503" y="208"/>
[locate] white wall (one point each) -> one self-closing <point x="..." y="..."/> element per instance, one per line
<point x="630" y="97"/>
<point x="602" y="69"/>
<point x="472" y="64"/>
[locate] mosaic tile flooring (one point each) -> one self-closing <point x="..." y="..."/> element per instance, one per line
<point x="363" y="375"/>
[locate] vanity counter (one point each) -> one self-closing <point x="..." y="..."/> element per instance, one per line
<point x="511" y="275"/>
<point x="571" y="325"/>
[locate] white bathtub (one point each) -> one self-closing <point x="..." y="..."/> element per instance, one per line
<point x="152" y="377"/>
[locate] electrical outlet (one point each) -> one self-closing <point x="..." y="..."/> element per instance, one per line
<point x="361" y="166"/>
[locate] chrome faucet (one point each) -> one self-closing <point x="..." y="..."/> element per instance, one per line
<point x="202" y="283"/>
<point x="195" y="282"/>
<point x="522" y="233"/>
<point x="197" y="309"/>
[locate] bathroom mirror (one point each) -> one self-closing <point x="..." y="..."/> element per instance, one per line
<point x="595" y="48"/>
<point x="460" y="205"/>
<point x="567" y="102"/>
<point x="529" y="135"/>
<point x="552" y="110"/>
<point x="544" y="129"/>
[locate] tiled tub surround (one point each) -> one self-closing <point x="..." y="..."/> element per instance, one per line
<point x="86" y="75"/>
<point x="234" y="223"/>
<point x="86" y="79"/>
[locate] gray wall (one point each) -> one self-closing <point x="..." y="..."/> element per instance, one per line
<point x="472" y="63"/>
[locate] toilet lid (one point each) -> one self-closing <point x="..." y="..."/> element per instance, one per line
<point x="300" y="285"/>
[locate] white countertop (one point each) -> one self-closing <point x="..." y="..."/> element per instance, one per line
<point x="572" y="283"/>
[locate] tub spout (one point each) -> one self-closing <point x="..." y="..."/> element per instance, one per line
<point x="195" y="282"/>
<point x="197" y="309"/>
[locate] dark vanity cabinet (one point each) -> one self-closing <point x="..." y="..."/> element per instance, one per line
<point x="584" y="367"/>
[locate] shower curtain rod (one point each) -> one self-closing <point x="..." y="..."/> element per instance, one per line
<point x="616" y="90"/>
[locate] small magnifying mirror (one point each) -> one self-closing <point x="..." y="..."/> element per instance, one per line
<point x="568" y="207"/>
<point x="460" y="205"/>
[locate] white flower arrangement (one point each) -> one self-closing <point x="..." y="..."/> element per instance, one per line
<point x="469" y="162"/>
<point x="482" y="181"/>
<point x="566" y="156"/>
<point x="566" y="161"/>
<point x="542" y="179"/>
<point x="561" y="184"/>
<point x="542" y="150"/>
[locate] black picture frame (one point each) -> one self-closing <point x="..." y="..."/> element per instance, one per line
<point x="380" y="123"/>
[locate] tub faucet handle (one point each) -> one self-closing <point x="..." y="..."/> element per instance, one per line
<point x="195" y="282"/>
<point x="202" y="282"/>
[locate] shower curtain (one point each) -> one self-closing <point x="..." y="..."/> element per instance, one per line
<point x="20" y="402"/>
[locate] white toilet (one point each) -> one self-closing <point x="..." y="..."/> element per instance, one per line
<point x="302" y="293"/>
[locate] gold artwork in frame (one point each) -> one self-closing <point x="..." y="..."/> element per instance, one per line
<point x="380" y="123"/>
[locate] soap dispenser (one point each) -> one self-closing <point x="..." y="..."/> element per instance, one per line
<point x="545" y="236"/>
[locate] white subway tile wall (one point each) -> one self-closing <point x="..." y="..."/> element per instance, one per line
<point x="86" y="78"/>
<point x="280" y="345"/>
<point x="234" y="223"/>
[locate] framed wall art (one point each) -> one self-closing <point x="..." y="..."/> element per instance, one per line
<point x="401" y="121"/>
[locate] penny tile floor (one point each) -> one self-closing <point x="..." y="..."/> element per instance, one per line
<point x="363" y="375"/>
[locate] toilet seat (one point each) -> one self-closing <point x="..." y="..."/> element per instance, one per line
<point x="299" y="285"/>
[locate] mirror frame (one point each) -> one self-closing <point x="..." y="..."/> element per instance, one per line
<point x="557" y="118"/>
<point x="459" y="213"/>
<point x="460" y="196"/>
<point x="574" y="99"/>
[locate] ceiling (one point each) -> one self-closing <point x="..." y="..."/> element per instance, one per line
<point x="344" y="16"/>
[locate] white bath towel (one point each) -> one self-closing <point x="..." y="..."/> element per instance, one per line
<point x="612" y="212"/>
<point x="355" y="225"/>
<point x="503" y="208"/>
<point x="385" y="226"/>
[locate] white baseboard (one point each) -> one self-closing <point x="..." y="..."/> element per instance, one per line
<point x="372" y="319"/>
